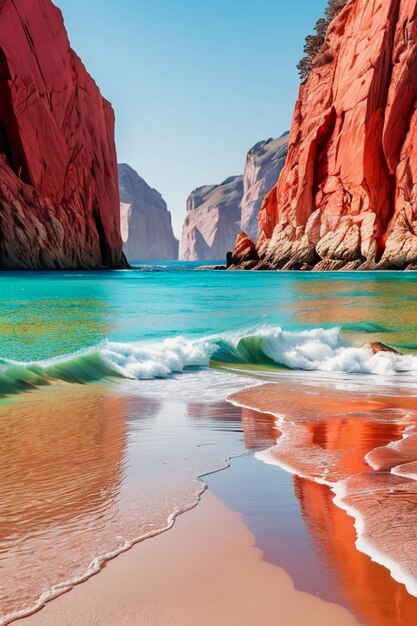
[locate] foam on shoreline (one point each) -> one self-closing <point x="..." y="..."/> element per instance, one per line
<point x="100" y="561"/>
<point x="163" y="582"/>
<point x="367" y="546"/>
<point x="79" y="493"/>
<point x="296" y="459"/>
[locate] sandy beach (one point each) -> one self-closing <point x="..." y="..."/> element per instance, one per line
<point x="205" y="570"/>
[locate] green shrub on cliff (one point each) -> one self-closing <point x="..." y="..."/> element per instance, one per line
<point x="314" y="43"/>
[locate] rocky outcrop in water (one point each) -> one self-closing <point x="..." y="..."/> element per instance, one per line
<point x="217" y="213"/>
<point x="213" y="220"/>
<point x="347" y="196"/>
<point x="244" y="254"/>
<point x="59" y="196"/>
<point x="145" y="220"/>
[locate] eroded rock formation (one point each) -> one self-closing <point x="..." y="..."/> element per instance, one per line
<point x="145" y="220"/>
<point x="244" y="254"/>
<point x="264" y="163"/>
<point x="217" y="213"/>
<point x="347" y="196"/>
<point x="213" y="220"/>
<point x="59" y="199"/>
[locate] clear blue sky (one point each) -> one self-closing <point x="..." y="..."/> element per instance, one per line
<point x="194" y="83"/>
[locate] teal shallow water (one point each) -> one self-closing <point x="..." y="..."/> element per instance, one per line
<point x="50" y="314"/>
<point x="84" y="327"/>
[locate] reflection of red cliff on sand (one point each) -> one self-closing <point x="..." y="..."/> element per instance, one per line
<point x="259" y="429"/>
<point x="367" y="587"/>
<point x="325" y="437"/>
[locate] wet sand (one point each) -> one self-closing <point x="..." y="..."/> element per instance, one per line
<point x="86" y="471"/>
<point x="264" y="545"/>
<point x="360" y="451"/>
<point x="206" y="571"/>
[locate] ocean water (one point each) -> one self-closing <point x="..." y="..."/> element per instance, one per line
<point x="112" y="405"/>
<point x="151" y="324"/>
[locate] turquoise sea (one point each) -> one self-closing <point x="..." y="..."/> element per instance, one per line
<point x="112" y="404"/>
<point x="46" y="316"/>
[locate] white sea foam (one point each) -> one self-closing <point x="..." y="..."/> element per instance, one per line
<point x="325" y="350"/>
<point x="145" y="361"/>
<point x="95" y="566"/>
<point x="320" y="350"/>
<point x="97" y="563"/>
<point x="410" y="431"/>
<point x="365" y="545"/>
<point x="200" y="386"/>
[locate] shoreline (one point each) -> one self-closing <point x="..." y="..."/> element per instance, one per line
<point x="206" y="570"/>
<point x="312" y="270"/>
<point x="250" y="399"/>
<point x="101" y="560"/>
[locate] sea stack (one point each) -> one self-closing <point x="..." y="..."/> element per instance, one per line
<point x="346" y="198"/>
<point x="59" y="198"/>
<point x="146" y="223"/>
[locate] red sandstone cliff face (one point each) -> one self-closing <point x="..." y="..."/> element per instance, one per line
<point x="347" y="196"/>
<point x="59" y="199"/>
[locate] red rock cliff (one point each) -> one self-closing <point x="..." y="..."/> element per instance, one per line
<point x="347" y="196"/>
<point x="59" y="199"/>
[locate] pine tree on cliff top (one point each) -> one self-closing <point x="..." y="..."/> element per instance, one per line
<point x="314" y="43"/>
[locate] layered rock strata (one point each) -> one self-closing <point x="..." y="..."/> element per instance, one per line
<point x="264" y="163"/>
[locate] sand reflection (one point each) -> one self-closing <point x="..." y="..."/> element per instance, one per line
<point x="62" y="452"/>
<point x="336" y="437"/>
<point x="366" y="587"/>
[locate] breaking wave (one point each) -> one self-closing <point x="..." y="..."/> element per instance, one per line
<point x="318" y="349"/>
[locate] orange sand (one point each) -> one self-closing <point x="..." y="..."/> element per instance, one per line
<point x="204" y="571"/>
